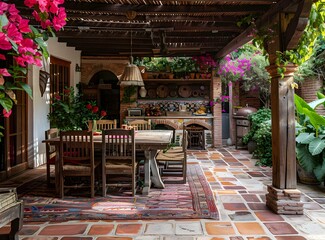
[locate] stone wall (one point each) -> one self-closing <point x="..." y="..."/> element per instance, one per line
<point x="308" y="89"/>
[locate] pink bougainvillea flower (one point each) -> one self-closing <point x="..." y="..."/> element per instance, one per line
<point x="46" y="24"/>
<point x="20" y="61"/>
<point x="13" y="13"/>
<point x="36" y="16"/>
<point x="13" y="33"/>
<point x="53" y="7"/>
<point x="2" y="57"/>
<point x="3" y="7"/>
<point x="43" y="5"/>
<point x="4" y="72"/>
<point x="57" y="97"/>
<point x="30" y="3"/>
<point x="59" y="21"/>
<point x="5" y="113"/>
<point x="23" y="26"/>
<point x="27" y="45"/>
<point x="4" y="42"/>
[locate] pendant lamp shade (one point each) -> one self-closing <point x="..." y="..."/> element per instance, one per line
<point x="131" y="75"/>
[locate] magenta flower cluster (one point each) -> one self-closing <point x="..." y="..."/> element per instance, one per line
<point x="18" y="38"/>
<point x="235" y="68"/>
<point x="205" y="61"/>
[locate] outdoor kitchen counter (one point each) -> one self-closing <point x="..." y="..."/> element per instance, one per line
<point x="209" y="116"/>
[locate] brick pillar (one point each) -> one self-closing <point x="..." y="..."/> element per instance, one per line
<point x="216" y="111"/>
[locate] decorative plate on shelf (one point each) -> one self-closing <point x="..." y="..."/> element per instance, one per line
<point x="195" y="93"/>
<point x="162" y="91"/>
<point x="173" y="93"/>
<point x="152" y="93"/>
<point x="185" y="91"/>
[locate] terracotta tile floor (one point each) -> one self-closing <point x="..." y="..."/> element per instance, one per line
<point x="239" y="188"/>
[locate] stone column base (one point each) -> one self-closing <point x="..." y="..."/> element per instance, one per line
<point x="284" y="201"/>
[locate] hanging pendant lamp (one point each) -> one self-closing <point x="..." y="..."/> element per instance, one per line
<point x="131" y="75"/>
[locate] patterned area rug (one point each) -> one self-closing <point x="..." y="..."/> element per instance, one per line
<point x="176" y="201"/>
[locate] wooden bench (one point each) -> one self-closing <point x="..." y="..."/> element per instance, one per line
<point x="11" y="211"/>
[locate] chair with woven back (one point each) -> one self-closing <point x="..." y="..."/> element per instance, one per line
<point x="102" y="124"/>
<point x="77" y="160"/>
<point x="140" y="124"/>
<point x="50" y="153"/>
<point x="174" y="156"/>
<point x="118" y="158"/>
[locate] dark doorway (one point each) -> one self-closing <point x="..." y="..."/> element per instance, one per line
<point x="108" y="93"/>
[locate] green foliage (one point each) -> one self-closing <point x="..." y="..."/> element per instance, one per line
<point x="256" y="119"/>
<point x="263" y="139"/>
<point x="264" y="35"/>
<point x="128" y="94"/>
<point x="314" y="66"/>
<point x="261" y="133"/>
<point x="310" y="136"/>
<point x="168" y="64"/>
<point x="70" y="112"/>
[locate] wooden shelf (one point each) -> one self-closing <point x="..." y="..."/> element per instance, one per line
<point x="177" y="80"/>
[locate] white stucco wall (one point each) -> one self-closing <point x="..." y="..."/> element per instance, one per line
<point x="38" y="108"/>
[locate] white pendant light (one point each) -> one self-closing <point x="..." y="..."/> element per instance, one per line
<point x="131" y="75"/>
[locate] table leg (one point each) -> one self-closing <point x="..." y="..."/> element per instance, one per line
<point x="147" y="180"/>
<point x="150" y="166"/>
<point x="57" y="172"/>
<point x="155" y="178"/>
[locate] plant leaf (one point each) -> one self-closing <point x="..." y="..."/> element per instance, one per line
<point x="301" y="104"/>
<point x="316" y="103"/>
<point x="305" y="159"/>
<point x="305" y="138"/>
<point x="27" y="89"/>
<point x="315" y="119"/>
<point x="316" y="146"/>
<point x="6" y="103"/>
<point x="319" y="172"/>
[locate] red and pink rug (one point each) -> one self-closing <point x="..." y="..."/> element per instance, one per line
<point x="177" y="201"/>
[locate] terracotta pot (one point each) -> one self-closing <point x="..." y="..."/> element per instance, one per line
<point x="305" y="177"/>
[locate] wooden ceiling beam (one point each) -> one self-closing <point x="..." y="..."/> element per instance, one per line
<point x="143" y="41"/>
<point x="163" y="25"/>
<point x="176" y="9"/>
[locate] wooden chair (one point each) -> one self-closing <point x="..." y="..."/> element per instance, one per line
<point x="50" y="152"/>
<point x="118" y="158"/>
<point x="77" y="159"/>
<point x="103" y="124"/>
<point x="140" y="124"/>
<point x="174" y="156"/>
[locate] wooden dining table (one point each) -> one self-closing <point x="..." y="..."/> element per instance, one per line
<point x="149" y="141"/>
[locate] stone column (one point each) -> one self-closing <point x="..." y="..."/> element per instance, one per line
<point x="282" y="196"/>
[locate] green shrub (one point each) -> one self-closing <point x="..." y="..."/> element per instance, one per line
<point x="263" y="139"/>
<point x="260" y="132"/>
<point x="256" y="119"/>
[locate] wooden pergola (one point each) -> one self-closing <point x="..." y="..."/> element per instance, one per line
<point x="196" y="27"/>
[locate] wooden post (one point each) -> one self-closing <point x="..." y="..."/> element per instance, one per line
<point x="283" y="129"/>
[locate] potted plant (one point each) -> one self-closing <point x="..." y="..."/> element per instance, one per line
<point x="70" y="112"/>
<point x="310" y="137"/>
